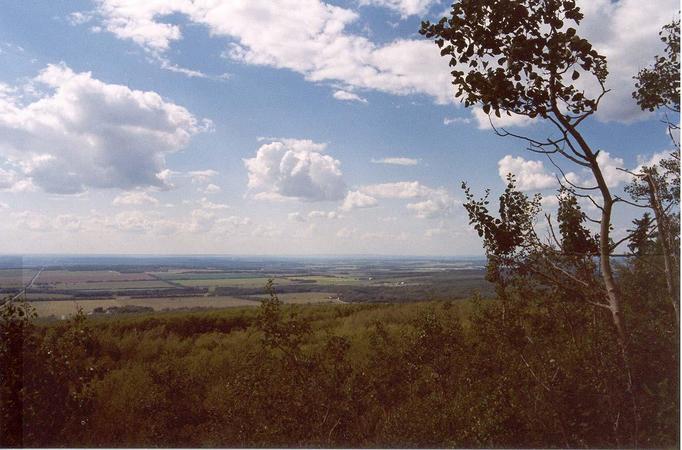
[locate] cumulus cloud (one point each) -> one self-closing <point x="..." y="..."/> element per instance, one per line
<point x="12" y="181"/>
<point x="504" y="121"/>
<point x="135" y="198"/>
<point x="403" y="7"/>
<point x="401" y="189"/>
<point x="31" y="221"/>
<point x="348" y="96"/>
<point x="433" y="202"/>
<point x="86" y="133"/>
<point x="609" y="168"/>
<point x="309" y="37"/>
<point x="438" y="204"/>
<point x="626" y="32"/>
<point x="323" y="49"/>
<point x="397" y="161"/>
<point x="357" y="200"/>
<point x="296" y="169"/>
<point x="530" y="175"/>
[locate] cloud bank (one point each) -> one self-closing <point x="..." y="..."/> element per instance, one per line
<point x="84" y="133"/>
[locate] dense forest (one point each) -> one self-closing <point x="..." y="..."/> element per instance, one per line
<point x="578" y="348"/>
<point x="537" y="369"/>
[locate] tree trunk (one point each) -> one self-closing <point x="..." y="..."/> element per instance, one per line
<point x="613" y="293"/>
<point x="661" y="222"/>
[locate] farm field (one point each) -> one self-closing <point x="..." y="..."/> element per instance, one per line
<point x="110" y="285"/>
<point x="60" y="308"/>
<point x="13" y="278"/>
<point x="84" y="276"/>
<point x="66" y="307"/>
<point x="170" y="283"/>
<point x="254" y="282"/>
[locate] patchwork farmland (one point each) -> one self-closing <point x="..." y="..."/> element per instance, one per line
<point x="106" y="288"/>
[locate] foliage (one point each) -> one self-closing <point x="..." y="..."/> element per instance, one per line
<point x="659" y="85"/>
<point x="46" y="375"/>
<point x="532" y="371"/>
<point x="517" y="56"/>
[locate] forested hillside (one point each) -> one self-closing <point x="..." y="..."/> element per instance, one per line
<point x="535" y="369"/>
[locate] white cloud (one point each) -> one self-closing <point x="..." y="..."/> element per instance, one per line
<point x="401" y="189"/>
<point x="87" y="133"/>
<point x="266" y="231"/>
<point x="653" y="160"/>
<point x="31" y="221"/>
<point x="397" y="161"/>
<point x="295" y="217"/>
<point x="356" y="200"/>
<point x="79" y="18"/>
<point x="306" y="36"/>
<point x="211" y="189"/>
<point x="451" y="120"/>
<point x="504" y="121"/>
<point x="384" y="236"/>
<point x="609" y="168"/>
<point x="12" y="181"/>
<point x="324" y="215"/>
<point x="310" y="37"/>
<point x="135" y="198"/>
<point x="348" y="96"/>
<point x="202" y="176"/>
<point x="626" y="32"/>
<point x="439" y="204"/>
<point x="207" y="204"/>
<point x="549" y="201"/>
<point x="297" y="169"/>
<point x="530" y="175"/>
<point x="403" y="7"/>
<point x="346" y="233"/>
<point x="434" y="202"/>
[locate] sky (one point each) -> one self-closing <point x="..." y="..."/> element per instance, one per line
<point x="260" y="127"/>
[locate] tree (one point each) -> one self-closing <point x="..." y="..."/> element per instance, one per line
<point x="523" y="57"/>
<point x="658" y="87"/>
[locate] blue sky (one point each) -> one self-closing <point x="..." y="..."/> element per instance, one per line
<point x="262" y="127"/>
